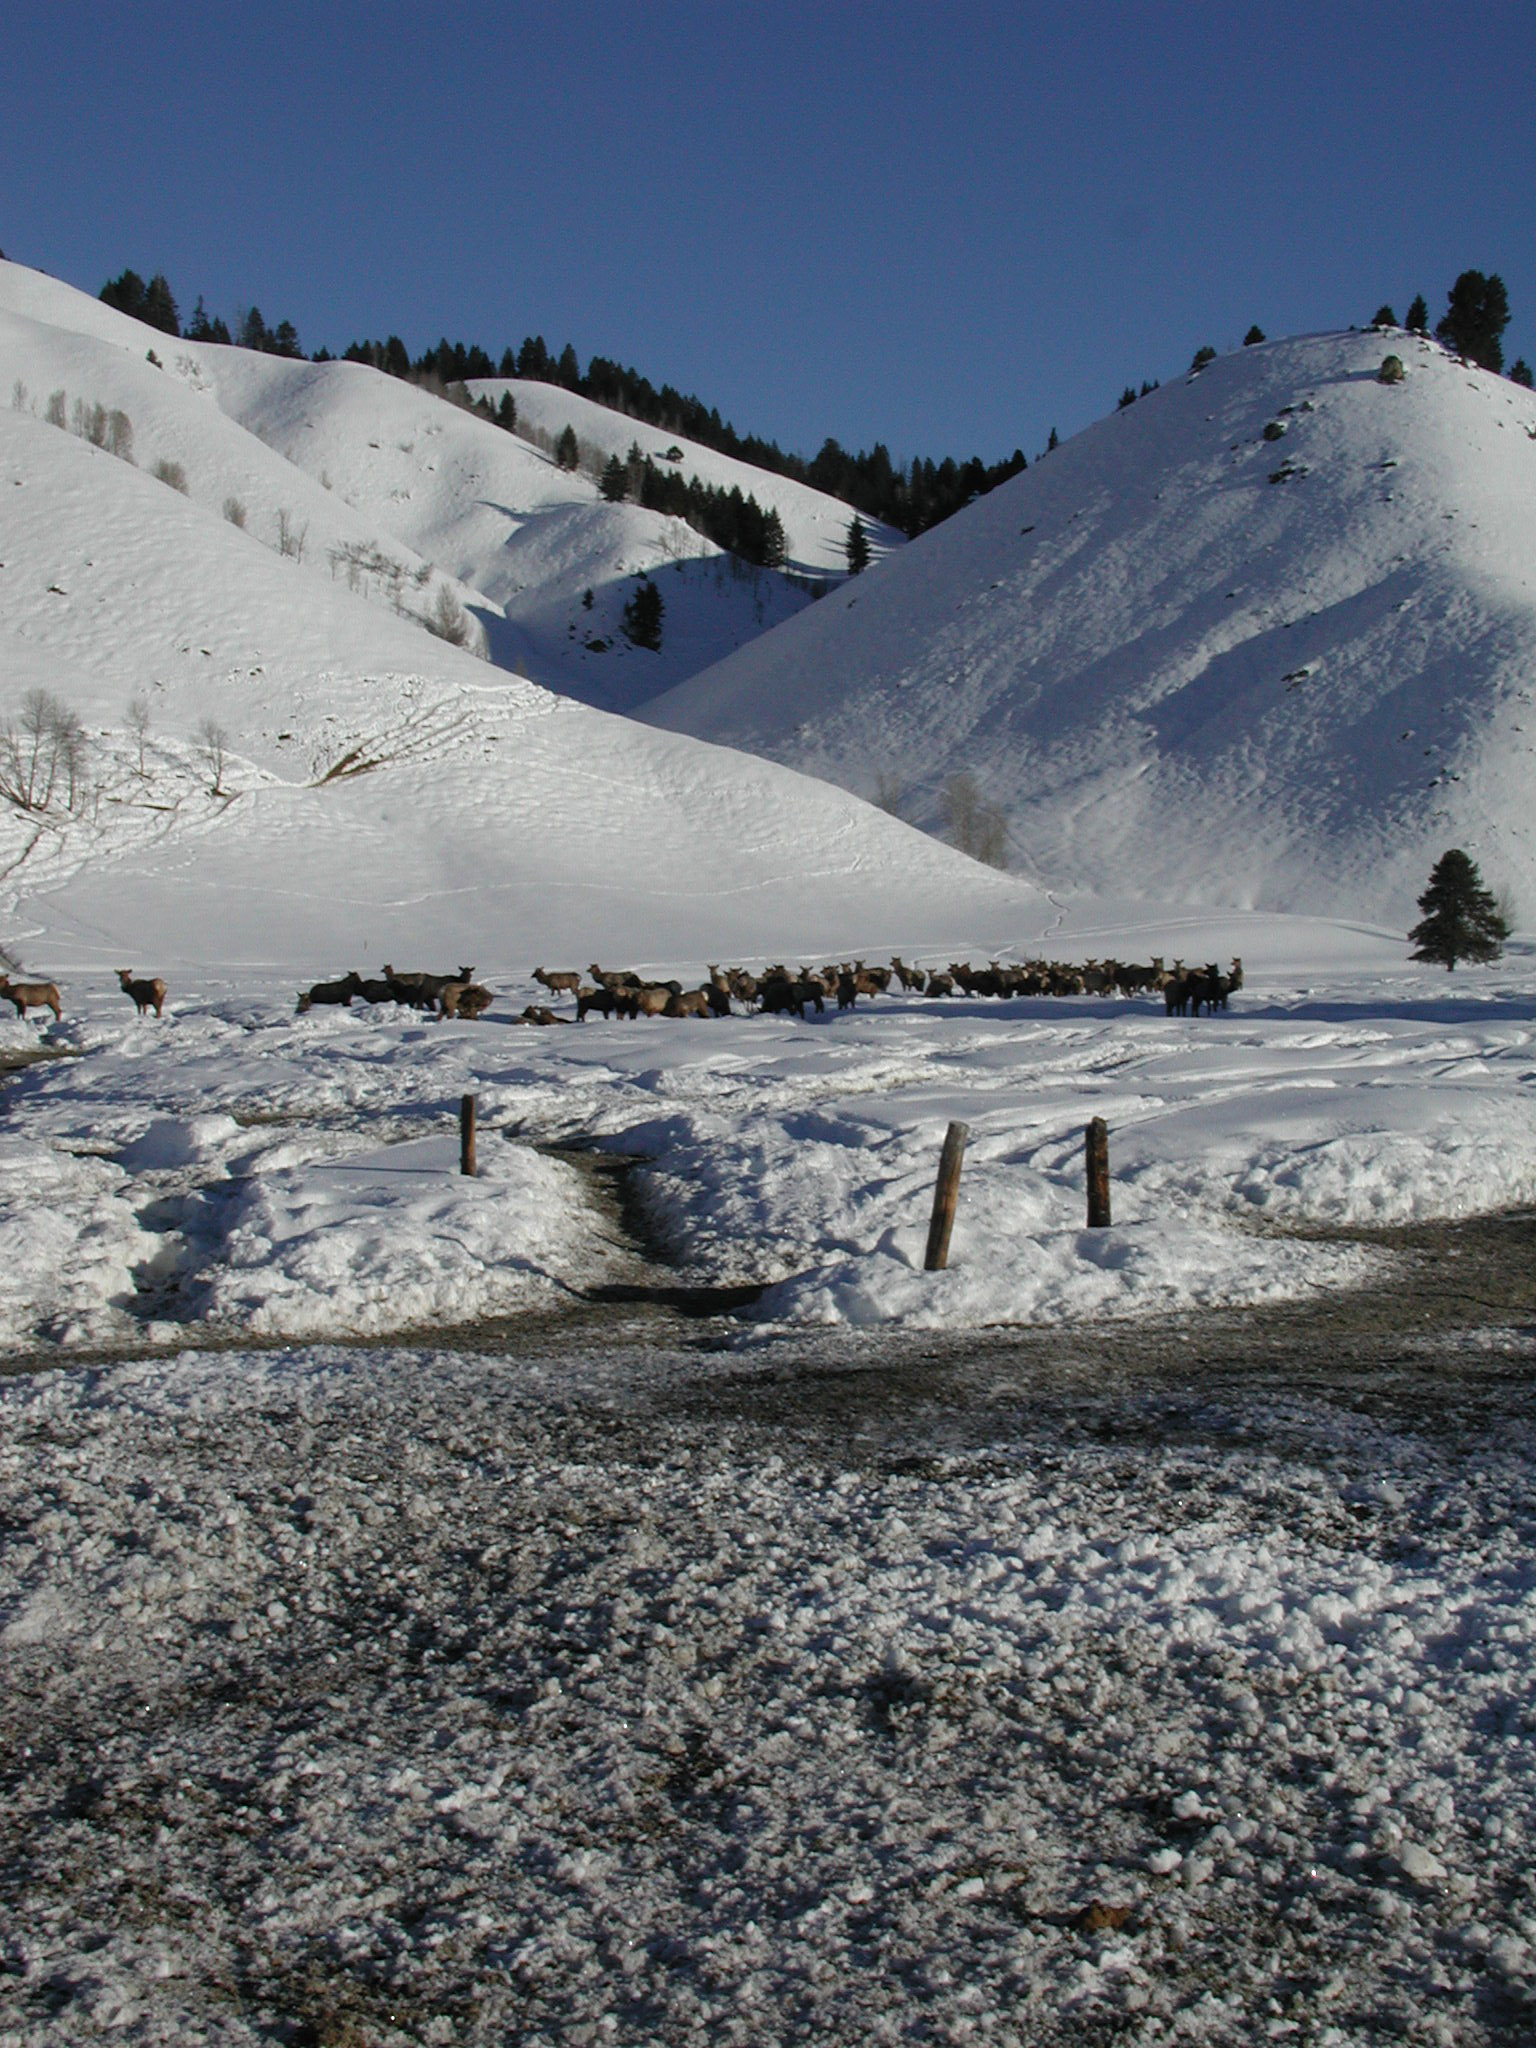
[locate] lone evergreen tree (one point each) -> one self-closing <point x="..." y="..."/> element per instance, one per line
<point x="615" y="481"/>
<point x="567" y="454"/>
<point x="1461" y="920"/>
<point x="1418" y="316"/>
<point x="1520" y="373"/>
<point x="1254" y="336"/>
<point x="1476" y="318"/>
<point x="642" y="616"/>
<point x="1384" y="317"/>
<point x="857" y="547"/>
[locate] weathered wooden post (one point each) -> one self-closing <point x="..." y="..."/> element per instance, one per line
<point x="945" y="1196"/>
<point x="1097" y="1136"/>
<point x="467" y="1134"/>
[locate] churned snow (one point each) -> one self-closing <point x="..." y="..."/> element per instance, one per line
<point x="413" y="1697"/>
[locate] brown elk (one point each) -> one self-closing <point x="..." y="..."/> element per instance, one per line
<point x="419" y="989"/>
<point x="144" y="993"/>
<point x="912" y="979"/>
<point x="560" y="984"/>
<point x="31" y="995"/>
<point x="464" y="999"/>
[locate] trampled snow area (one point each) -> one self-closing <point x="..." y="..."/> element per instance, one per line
<point x="1186" y="659"/>
<point x="238" y="1168"/>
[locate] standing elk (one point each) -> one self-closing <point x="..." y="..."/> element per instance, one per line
<point x="31" y="995"/>
<point x="144" y="993"/>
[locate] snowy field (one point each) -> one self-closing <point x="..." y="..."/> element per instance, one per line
<point x="237" y="1169"/>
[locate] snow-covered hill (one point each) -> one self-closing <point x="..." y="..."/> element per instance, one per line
<point x="384" y="793"/>
<point x="1195" y="664"/>
<point x="392" y="474"/>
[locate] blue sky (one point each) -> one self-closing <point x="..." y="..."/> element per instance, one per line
<point x="947" y="227"/>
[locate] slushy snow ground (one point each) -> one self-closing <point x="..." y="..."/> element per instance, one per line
<point x="400" y="1697"/>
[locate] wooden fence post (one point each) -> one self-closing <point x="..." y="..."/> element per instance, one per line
<point x="467" y="1134"/>
<point x="1097" y="1136"/>
<point x="945" y="1196"/>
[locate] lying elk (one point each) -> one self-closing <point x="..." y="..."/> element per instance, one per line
<point x="144" y="993"/>
<point x="31" y="995"/>
<point x="332" y="992"/>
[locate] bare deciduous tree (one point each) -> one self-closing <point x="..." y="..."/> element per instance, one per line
<point x="53" y="412"/>
<point x="446" y="619"/>
<point x="173" y="474"/>
<point x="44" y="742"/>
<point x="212" y="740"/>
<point x="290" y="538"/>
<point x="234" y="512"/>
<point x="136" y="718"/>
<point x="976" y="825"/>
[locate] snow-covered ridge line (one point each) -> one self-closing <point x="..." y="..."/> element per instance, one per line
<point x="1264" y="638"/>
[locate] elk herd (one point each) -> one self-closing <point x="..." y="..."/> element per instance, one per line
<point x="777" y="991"/>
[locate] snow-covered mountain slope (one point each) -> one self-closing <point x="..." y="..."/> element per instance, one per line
<point x="1200" y="665"/>
<point x="369" y="461"/>
<point x="815" y="525"/>
<point x="384" y="794"/>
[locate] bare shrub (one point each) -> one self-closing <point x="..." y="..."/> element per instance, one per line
<point x="290" y="538"/>
<point x="212" y="741"/>
<point x="446" y="619"/>
<point x="18" y="396"/>
<point x="90" y="423"/>
<point x="234" y="512"/>
<point x="976" y="825"/>
<point x="119" y="440"/>
<point x="136" y="718"/>
<point x="890" y="795"/>
<point x="53" y="412"/>
<point x="173" y="474"/>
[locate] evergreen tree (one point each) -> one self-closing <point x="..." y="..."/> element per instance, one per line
<point x="643" y="614"/>
<point x="1054" y="441"/>
<point x="201" y="328"/>
<point x="1255" y="334"/>
<point x="775" y="547"/>
<point x="1127" y="397"/>
<point x="284" y="340"/>
<point x="508" y="366"/>
<point x="615" y="481"/>
<point x="252" y="332"/>
<point x="567" y="454"/>
<point x="1461" y="920"/>
<point x="568" y="369"/>
<point x="506" y="412"/>
<point x="1520" y="373"/>
<point x="1384" y="317"/>
<point x="856" y="546"/>
<point x="1202" y="357"/>
<point x="1476" y="318"/>
<point x="1418" y="316"/>
<point x="159" y="308"/>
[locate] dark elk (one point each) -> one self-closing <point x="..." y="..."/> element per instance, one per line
<point x="340" y="992"/>
<point x="146" y="994"/>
